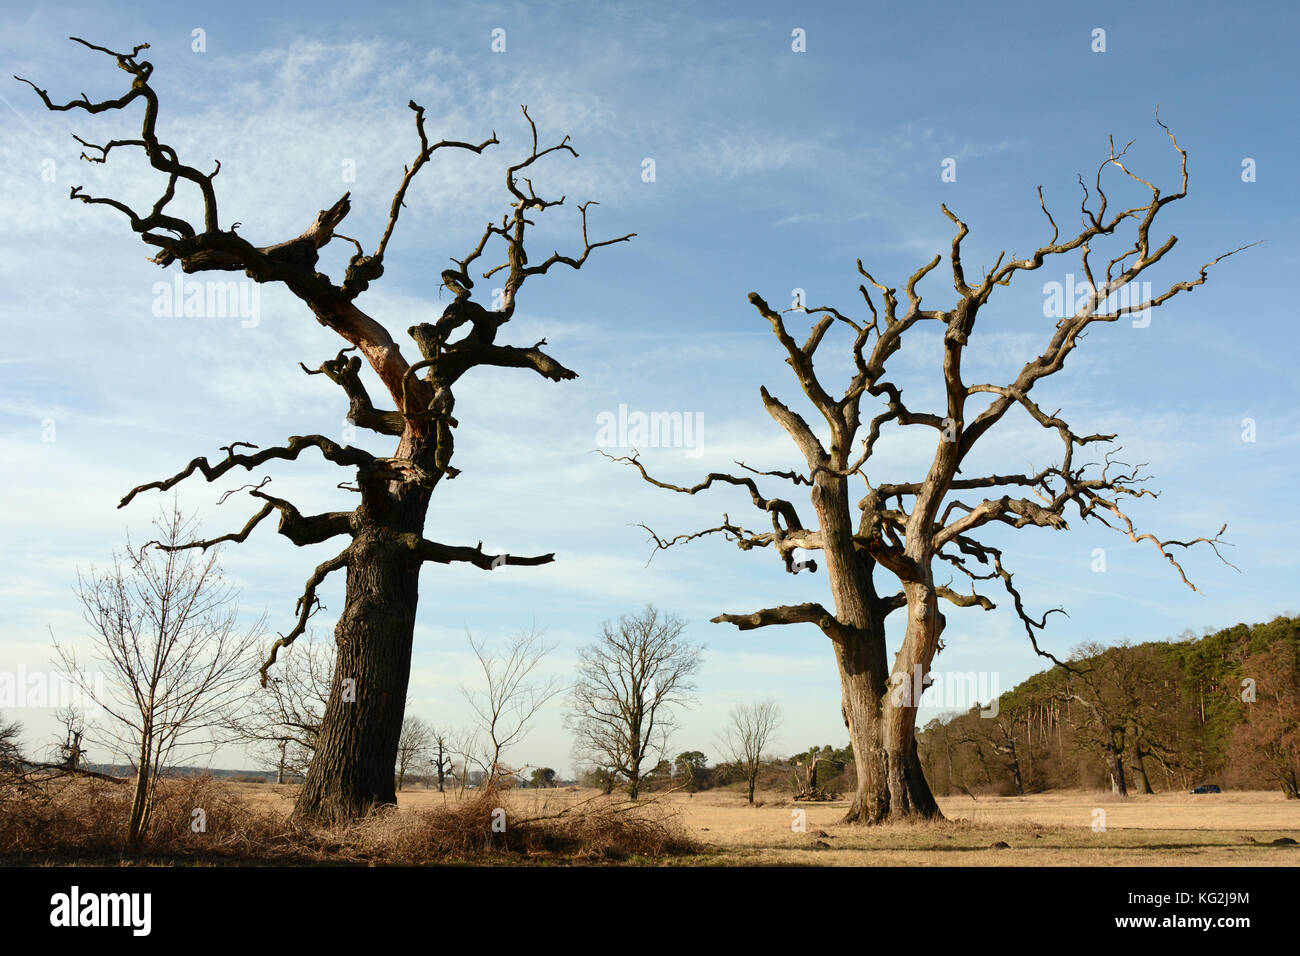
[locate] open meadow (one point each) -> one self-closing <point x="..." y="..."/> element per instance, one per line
<point x="1051" y="829"/>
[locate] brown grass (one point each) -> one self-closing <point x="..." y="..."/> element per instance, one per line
<point x="84" y="820"/>
<point x="1054" y="829"/>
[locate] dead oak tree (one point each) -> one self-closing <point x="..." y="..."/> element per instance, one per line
<point x="440" y="747"/>
<point x="905" y="527"/>
<point x="353" y="767"/>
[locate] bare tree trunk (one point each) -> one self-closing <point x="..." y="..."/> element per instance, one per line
<point x="1115" y="764"/>
<point x="139" y="801"/>
<point x="138" y="822"/>
<point x="1015" y="770"/>
<point x="1141" y="769"/>
<point x="862" y="682"/>
<point x="352" y="769"/>
<point x="890" y="782"/>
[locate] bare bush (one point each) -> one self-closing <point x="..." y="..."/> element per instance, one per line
<point x="163" y="624"/>
<point x="510" y="696"/>
<point x="481" y="827"/>
<point x="751" y="729"/>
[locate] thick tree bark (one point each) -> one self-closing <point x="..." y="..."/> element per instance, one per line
<point x="1141" y="768"/>
<point x="1291" y="785"/>
<point x="862" y="682"/>
<point x="352" y="770"/>
<point x="635" y="784"/>
<point x="1115" y="766"/>
<point x="1015" y="771"/>
<point x="891" y="785"/>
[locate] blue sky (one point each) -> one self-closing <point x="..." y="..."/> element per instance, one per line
<point x="774" y="170"/>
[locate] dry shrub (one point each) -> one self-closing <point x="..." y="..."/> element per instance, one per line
<point x="481" y="828"/>
<point x="85" y="820"/>
<point x="83" y="817"/>
<point x="230" y="825"/>
<point x="614" y="835"/>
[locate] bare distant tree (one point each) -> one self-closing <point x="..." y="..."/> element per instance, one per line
<point x="441" y="745"/>
<point x="416" y="738"/>
<point x="510" y="696"/>
<point x="750" y="730"/>
<point x="996" y="735"/>
<point x="629" y="681"/>
<point x="1001" y="736"/>
<point x="68" y="747"/>
<point x="281" y="722"/>
<point x="175" y="663"/>
<point x="67" y="753"/>
<point x="465" y="746"/>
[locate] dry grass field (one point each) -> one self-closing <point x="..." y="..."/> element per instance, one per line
<point x="76" y="822"/>
<point x="1055" y="829"/>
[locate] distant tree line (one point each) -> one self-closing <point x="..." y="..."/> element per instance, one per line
<point x="1133" y="718"/>
<point x="1224" y="709"/>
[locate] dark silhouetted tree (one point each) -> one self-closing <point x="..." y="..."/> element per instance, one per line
<point x="385" y="546"/>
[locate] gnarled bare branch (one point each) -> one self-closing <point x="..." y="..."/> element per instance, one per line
<point x="447" y="554"/>
<point x="810" y="613"/>
<point x="307" y="606"/>
<point x="346" y="373"/>
<point x="331" y="450"/>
